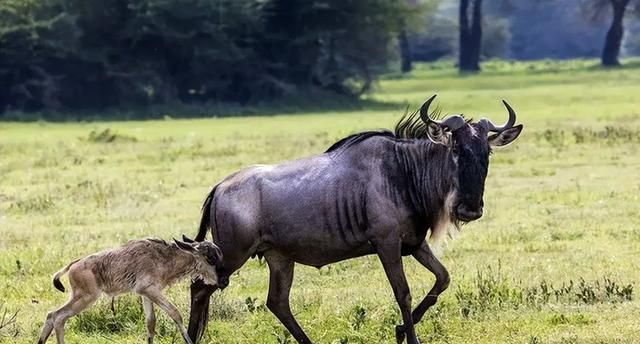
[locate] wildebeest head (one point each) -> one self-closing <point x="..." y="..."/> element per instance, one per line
<point x="469" y="147"/>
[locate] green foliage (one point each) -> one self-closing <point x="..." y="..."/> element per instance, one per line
<point x="107" y="136"/>
<point x="128" y="316"/>
<point x="496" y="38"/>
<point x="8" y="327"/>
<point x="358" y="317"/>
<point x="84" y="54"/>
<point x="440" y="38"/>
<point x="437" y="41"/>
<point x="580" y="135"/>
<point x="37" y="204"/>
<point x="79" y="54"/>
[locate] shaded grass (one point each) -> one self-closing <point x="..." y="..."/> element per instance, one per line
<point x="315" y="101"/>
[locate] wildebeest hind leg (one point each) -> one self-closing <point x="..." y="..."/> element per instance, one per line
<point x="425" y="257"/>
<point x="280" y="279"/>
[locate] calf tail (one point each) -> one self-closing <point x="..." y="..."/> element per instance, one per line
<point x="56" y="277"/>
<point x="205" y="222"/>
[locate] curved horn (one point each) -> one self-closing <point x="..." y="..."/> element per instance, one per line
<point x="452" y="122"/>
<point x="424" y="110"/>
<point x="510" y="122"/>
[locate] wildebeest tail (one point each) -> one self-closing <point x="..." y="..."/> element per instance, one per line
<point x="56" y="277"/>
<point x="205" y="222"/>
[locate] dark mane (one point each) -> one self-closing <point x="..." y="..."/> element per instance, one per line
<point x="356" y="138"/>
<point x="410" y="126"/>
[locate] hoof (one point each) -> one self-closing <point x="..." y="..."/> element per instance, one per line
<point x="223" y="282"/>
<point x="400" y="334"/>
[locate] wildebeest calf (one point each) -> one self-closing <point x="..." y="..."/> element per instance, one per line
<point x="142" y="266"/>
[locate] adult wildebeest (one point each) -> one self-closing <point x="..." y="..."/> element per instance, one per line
<point x="372" y="192"/>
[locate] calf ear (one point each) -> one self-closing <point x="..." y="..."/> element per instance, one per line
<point x="187" y="239"/>
<point x="184" y="246"/>
<point x="505" y="137"/>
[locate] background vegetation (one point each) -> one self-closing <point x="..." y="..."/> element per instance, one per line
<point x="80" y="59"/>
<point x="77" y="54"/>
<point x="554" y="259"/>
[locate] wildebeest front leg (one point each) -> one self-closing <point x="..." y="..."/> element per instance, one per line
<point x="200" y="295"/>
<point x="280" y="279"/>
<point x="391" y="258"/>
<point x="425" y="257"/>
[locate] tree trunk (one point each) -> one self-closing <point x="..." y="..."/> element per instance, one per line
<point x="476" y="36"/>
<point x="614" y="35"/>
<point x="463" y="53"/>
<point x="405" y="52"/>
<point x="470" y="36"/>
<point x="406" y="58"/>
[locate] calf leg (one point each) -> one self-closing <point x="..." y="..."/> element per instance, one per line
<point x="150" y="318"/>
<point x="391" y="258"/>
<point x="156" y="296"/>
<point x="280" y="279"/>
<point x="46" y="329"/>
<point x="57" y="319"/>
<point x="425" y="257"/>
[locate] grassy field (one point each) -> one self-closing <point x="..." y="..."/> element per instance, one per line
<point x="555" y="259"/>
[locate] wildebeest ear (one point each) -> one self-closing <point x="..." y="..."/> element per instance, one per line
<point x="505" y="137"/>
<point x="436" y="133"/>
<point x="184" y="246"/>
<point x="187" y="239"/>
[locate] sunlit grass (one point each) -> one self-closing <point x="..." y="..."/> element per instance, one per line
<point x="561" y="210"/>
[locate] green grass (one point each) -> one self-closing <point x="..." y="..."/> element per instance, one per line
<point x="554" y="259"/>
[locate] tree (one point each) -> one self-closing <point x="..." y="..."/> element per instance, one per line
<point x="470" y="35"/>
<point x="406" y="53"/>
<point x="406" y="58"/>
<point x="613" y="40"/>
<point x="332" y="44"/>
<point x="77" y="54"/>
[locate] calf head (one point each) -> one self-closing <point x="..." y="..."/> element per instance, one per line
<point x="208" y="258"/>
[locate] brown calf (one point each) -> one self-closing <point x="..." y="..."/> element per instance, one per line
<point x="141" y="266"/>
